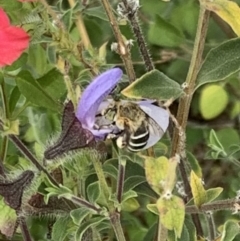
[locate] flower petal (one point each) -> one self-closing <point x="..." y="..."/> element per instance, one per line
<point x="160" y="116"/>
<point x="94" y="94"/>
<point x="4" y="21"/>
<point x="14" y="41"/>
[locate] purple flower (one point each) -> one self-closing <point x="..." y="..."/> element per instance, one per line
<point x="92" y="98"/>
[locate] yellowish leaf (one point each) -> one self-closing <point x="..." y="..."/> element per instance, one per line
<point x="172" y="213"/>
<point x="229" y="11"/>
<point x="156" y="170"/>
<point x="198" y="191"/>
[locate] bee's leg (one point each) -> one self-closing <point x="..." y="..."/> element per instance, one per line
<point x="122" y="141"/>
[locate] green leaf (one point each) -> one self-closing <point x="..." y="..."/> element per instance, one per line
<point x="34" y="93"/>
<point x="19" y="63"/>
<point x="213" y="193"/>
<point x="216" y="145"/>
<point x="220" y="62"/>
<point x="213" y="139"/>
<point x="130" y="205"/>
<point x="198" y="191"/>
<point x="97" y="12"/>
<point x="61" y="227"/>
<point x="78" y="215"/>
<point x="89" y="223"/>
<point x="213" y="101"/>
<point x="184" y="235"/>
<point x="194" y="164"/>
<point x="37" y="58"/>
<point x="230" y="230"/>
<point x="153" y="85"/>
<point x="10" y="5"/>
<point x="191" y="229"/>
<point x="228" y="137"/>
<point x="132" y="182"/>
<point x="172" y="213"/>
<point x="53" y="83"/>
<point x="14" y="97"/>
<point x="153" y="208"/>
<point x="162" y="33"/>
<point x="93" y="192"/>
<point x="128" y="195"/>
<point x="110" y="169"/>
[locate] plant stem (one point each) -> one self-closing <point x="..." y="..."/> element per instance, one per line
<point x="121" y="175"/>
<point x="178" y="140"/>
<point x="82" y="202"/>
<point x="211" y="226"/>
<point x="116" y="224"/>
<point x="4" y="147"/>
<point x="133" y="19"/>
<point x="4" y="99"/>
<point x="114" y="216"/>
<point x="24" y="228"/>
<point x="103" y="184"/>
<point x="55" y="17"/>
<point x="122" y="47"/>
<point x="228" y="204"/>
<point x="81" y="27"/>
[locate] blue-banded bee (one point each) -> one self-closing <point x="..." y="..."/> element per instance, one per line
<point x="137" y="129"/>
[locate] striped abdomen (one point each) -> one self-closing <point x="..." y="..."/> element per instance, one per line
<point x="138" y="140"/>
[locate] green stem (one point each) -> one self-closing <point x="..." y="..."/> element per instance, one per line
<point x="4" y="147"/>
<point x="4" y="99"/>
<point x="121" y="176"/>
<point x="103" y="184"/>
<point x="116" y="224"/>
<point x="114" y="216"/>
<point x="178" y="146"/>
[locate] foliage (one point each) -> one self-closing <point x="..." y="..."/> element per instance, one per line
<point x="65" y="70"/>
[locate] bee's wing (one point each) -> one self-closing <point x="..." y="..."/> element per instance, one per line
<point x="158" y="121"/>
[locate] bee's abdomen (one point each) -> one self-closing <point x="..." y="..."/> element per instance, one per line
<point x="138" y="140"/>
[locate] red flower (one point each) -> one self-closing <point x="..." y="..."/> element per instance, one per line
<point x="13" y="41"/>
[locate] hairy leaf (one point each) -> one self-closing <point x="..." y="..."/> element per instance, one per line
<point x="230" y="230"/>
<point x="153" y="85"/>
<point x="172" y="212"/>
<point x="220" y="62"/>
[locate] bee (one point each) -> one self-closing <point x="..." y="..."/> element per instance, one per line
<point x="136" y="127"/>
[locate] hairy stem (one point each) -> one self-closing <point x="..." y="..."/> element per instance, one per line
<point x="178" y="141"/>
<point x="24" y="229"/>
<point x="228" y="204"/>
<point x="122" y="47"/>
<point x="133" y="19"/>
